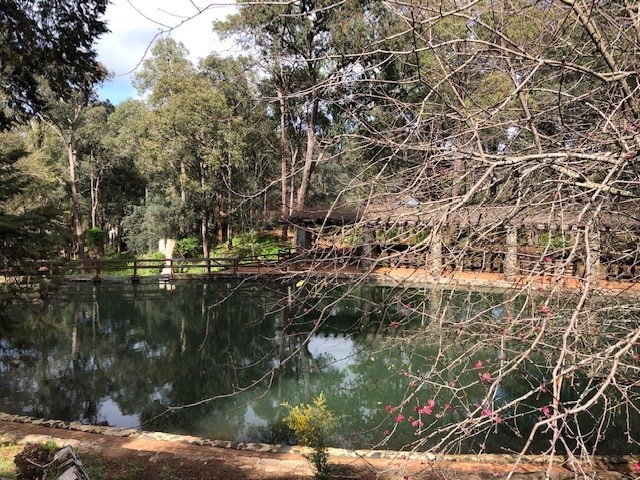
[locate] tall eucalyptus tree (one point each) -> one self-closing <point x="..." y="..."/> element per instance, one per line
<point x="291" y="39"/>
<point x="195" y="131"/>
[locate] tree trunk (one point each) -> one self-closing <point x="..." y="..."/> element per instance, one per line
<point x="308" y="157"/>
<point x="283" y="161"/>
<point x="183" y="181"/>
<point x="75" y="201"/>
<point x="204" y="210"/>
<point x="95" y="190"/>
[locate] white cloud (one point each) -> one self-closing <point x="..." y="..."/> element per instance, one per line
<point x="134" y="24"/>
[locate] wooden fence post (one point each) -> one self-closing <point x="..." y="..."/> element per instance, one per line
<point x="593" y="254"/>
<point x="511" y="256"/>
<point x="435" y="252"/>
<point x="96" y="267"/>
<point x="135" y="278"/>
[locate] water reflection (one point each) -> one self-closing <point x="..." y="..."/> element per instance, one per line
<point x="170" y="360"/>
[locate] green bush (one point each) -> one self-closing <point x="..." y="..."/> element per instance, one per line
<point x="189" y="247"/>
<point x="553" y="242"/>
<point x="251" y="244"/>
<point x="94" y="237"/>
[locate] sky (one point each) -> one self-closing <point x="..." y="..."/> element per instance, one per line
<point x="135" y="23"/>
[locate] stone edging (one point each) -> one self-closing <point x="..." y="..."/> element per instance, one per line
<point x="504" y="459"/>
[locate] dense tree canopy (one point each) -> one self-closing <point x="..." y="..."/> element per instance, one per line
<point x="49" y="42"/>
<point x="46" y="60"/>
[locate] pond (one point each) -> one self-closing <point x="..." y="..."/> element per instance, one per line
<point x="219" y="360"/>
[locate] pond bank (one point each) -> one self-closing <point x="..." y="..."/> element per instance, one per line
<point x="399" y="276"/>
<point x="274" y="460"/>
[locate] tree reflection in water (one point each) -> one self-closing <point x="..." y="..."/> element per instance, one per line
<point x="400" y="369"/>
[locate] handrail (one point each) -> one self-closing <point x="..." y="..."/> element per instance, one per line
<point x="288" y="259"/>
<point x="138" y="265"/>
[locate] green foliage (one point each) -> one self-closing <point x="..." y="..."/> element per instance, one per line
<point x="29" y="226"/>
<point x="554" y="242"/>
<point x="51" y="446"/>
<point x="94" y="237"/>
<point x="8" y="450"/>
<point x="355" y="237"/>
<point x="95" y="472"/>
<point x="189" y="247"/>
<point x="146" y="224"/>
<point x="253" y="244"/>
<point x="50" y="43"/>
<point x="313" y="424"/>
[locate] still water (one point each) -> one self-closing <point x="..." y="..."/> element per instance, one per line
<point x="219" y="359"/>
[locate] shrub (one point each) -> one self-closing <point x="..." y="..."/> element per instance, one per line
<point x="189" y="247"/>
<point x="313" y="425"/>
<point x="94" y="238"/>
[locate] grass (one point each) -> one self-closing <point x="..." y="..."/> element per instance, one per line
<point x="8" y="450"/>
<point x="95" y="472"/>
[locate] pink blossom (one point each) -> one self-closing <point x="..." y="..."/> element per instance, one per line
<point x="448" y="407"/>
<point x="417" y="423"/>
<point x="544" y="309"/>
<point x="636" y="467"/>
<point x="431" y="403"/>
<point x="399" y="418"/>
<point x="389" y="408"/>
<point x="543" y="389"/>
<point x="486" y="377"/>
<point x="546" y="411"/>
<point x="416" y="408"/>
<point x="386" y="433"/>
<point x="452" y="384"/>
<point x="486" y="412"/>
<point x="478" y="364"/>
<point x="498" y="419"/>
<point x="426" y="410"/>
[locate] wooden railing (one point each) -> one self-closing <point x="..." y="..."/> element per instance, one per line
<point x="527" y="264"/>
<point x="137" y="267"/>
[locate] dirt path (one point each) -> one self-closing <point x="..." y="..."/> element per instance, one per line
<point x="141" y="458"/>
